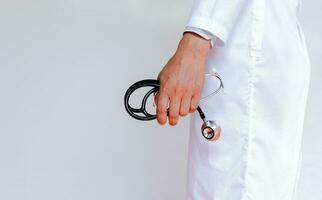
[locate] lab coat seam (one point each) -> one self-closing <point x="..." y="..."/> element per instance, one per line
<point x="250" y="105"/>
<point x="257" y="29"/>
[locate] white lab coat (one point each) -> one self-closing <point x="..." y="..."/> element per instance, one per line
<point x="261" y="56"/>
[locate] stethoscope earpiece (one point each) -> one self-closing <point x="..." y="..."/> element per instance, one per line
<point x="210" y="130"/>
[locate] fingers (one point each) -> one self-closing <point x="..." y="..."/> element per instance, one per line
<point x="185" y="105"/>
<point x="194" y="102"/>
<point x="174" y="110"/>
<point x="178" y="106"/>
<point x="162" y="103"/>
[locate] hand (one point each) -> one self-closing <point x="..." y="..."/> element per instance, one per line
<point x="181" y="79"/>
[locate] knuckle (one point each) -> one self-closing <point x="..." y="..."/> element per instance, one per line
<point x="168" y="89"/>
<point x="193" y="108"/>
<point x="197" y="92"/>
<point x="172" y="93"/>
<point x="177" y="90"/>
<point x="160" y="109"/>
<point x="183" y="113"/>
<point x="163" y="90"/>
<point x="165" y="85"/>
<point x="184" y="89"/>
<point x="162" y="76"/>
<point x="180" y="88"/>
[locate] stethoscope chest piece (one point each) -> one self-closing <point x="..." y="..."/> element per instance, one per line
<point x="210" y="130"/>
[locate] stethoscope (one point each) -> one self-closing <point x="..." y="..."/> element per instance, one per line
<point x="210" y="129"/>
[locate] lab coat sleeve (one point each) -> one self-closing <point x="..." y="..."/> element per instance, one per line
<point x="218" y="17"/>
<point x="203" y="33"/>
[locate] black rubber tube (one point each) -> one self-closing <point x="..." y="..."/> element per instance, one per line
<point x="133" y="112"/>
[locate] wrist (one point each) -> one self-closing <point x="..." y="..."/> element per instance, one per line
<point x="195" y="44"/>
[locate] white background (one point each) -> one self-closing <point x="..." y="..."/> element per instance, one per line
<point x="64" y="133"/>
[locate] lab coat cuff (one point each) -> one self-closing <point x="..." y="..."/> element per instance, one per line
<point x="202" y="33"/>
<point x="213" y="27"/>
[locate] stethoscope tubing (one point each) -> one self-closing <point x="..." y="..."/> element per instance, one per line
<point x="155" y="84"/>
